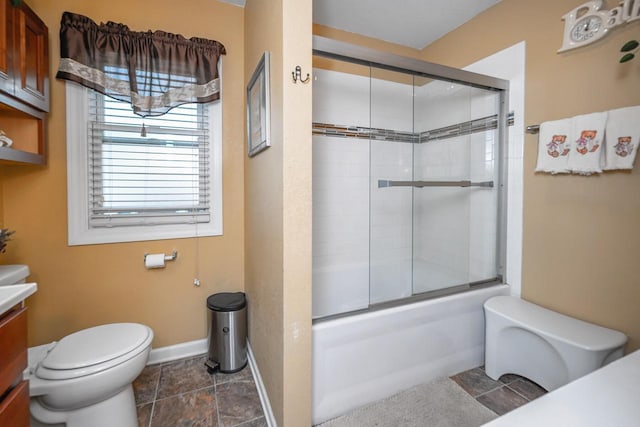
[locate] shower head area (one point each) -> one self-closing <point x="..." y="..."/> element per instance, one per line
<point x="408" y="180"/>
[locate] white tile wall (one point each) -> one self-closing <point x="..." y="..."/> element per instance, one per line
<point x="340" y="98"/>
<point x="391" y="105"/>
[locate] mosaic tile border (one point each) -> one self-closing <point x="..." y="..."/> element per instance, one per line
<point x="378" y="134"/>
<point x="345" y="131"/>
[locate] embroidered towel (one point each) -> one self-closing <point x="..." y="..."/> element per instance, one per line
<point x="586" y="156"/>
<point x="554" y="144"/>
<point x="623" y="137"/>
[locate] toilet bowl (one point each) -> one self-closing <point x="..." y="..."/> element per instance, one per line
<point x="85" y="378"/>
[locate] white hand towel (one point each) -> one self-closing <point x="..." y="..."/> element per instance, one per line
<point x="623" y="137"/>
<point x="586" y="156"/>
<point x="554" y="142"/>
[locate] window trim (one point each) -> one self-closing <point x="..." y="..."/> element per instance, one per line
<point x="79" y="232"/>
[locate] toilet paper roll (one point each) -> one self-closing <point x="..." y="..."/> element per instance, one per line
<point x="154" y="261"/>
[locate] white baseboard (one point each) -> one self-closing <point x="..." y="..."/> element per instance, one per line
<point x="177" y="351"/>
<point x="197" y="347"/>
<point x="262" y="391"/>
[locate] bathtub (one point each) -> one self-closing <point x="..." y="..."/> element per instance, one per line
<point x="366" y="357"/>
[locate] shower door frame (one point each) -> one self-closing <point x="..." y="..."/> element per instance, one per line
<point x="346" y="52"/>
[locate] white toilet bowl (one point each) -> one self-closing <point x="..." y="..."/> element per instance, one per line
<point x="85" y="378"/>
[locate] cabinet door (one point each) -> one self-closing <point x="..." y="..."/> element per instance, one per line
<point x="13" y="347"/>
<point x="14" y="407"/>
<point x="32" y="46"/>
<point x="6" y="46"/>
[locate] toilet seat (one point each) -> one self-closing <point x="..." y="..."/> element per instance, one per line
<point x="93" y="350"/>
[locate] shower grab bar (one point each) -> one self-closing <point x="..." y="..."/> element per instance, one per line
<point x="382" y="183"/>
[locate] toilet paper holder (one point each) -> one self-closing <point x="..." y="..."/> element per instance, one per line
<point x="171" y="257"/>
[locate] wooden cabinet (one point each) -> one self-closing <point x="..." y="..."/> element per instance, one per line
<point x="31" y="45"/>
<point x="14" y="391"/>
<point x="24" y="81"/>
<point x="24" y="55"/>
<point x="6" y="46"/>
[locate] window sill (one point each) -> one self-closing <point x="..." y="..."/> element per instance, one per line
<point x="137" y="234"/>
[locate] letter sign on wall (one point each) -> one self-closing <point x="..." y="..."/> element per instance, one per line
<point x="587" y="23"/>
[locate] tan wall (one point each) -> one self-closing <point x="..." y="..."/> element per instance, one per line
<point x="297" y="214"/>
<point x="278" y="211"/>
<point x="263" y="209"/>
<point x="371" y="43"/>
<point x="83" y="286"/>
<point x="581" y="234"/>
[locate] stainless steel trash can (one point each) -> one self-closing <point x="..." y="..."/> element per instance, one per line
<point x="228" y="332"/>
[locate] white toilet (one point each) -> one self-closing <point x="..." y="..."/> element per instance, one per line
<point x="85" y="378"/>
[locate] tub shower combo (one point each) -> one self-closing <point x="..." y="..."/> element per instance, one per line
<point x="409" y="219"/>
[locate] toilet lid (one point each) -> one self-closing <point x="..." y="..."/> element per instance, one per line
<point x="95" y="345"/>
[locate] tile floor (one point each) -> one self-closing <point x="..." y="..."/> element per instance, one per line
<point x="183" y="393"/>
<point x="510" y="392"/>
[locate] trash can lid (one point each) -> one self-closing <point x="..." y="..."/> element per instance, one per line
<point x="227" y="301"/>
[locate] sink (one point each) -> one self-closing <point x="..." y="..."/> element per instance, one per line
<point x="11" y="295"/>
<point x="12" y="274"/>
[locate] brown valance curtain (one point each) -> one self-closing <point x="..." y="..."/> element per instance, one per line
<point x="154" y="71"/>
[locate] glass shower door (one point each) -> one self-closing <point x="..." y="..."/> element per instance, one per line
<point x="340" y="188"/>
<point x="405" y="186"/>
<point x="391" y="252"/>
<point x="455" y="186"/>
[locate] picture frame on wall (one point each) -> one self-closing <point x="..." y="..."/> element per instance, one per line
<point x="258" y="106"/>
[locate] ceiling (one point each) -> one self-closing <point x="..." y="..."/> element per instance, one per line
<point x="412" y="23"/>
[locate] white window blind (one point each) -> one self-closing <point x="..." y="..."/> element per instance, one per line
<point x="160" y="178"/>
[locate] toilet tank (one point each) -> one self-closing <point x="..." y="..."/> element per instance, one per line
<point x="13" y="274"/>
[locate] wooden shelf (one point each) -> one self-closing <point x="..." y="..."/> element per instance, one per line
<point x="9" y="155"/>
<point x="26" y="130"/>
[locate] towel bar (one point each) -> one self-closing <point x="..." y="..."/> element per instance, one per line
<point x="533" y="129"/>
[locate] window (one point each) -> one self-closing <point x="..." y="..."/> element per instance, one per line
<point x="124" y="186"/>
